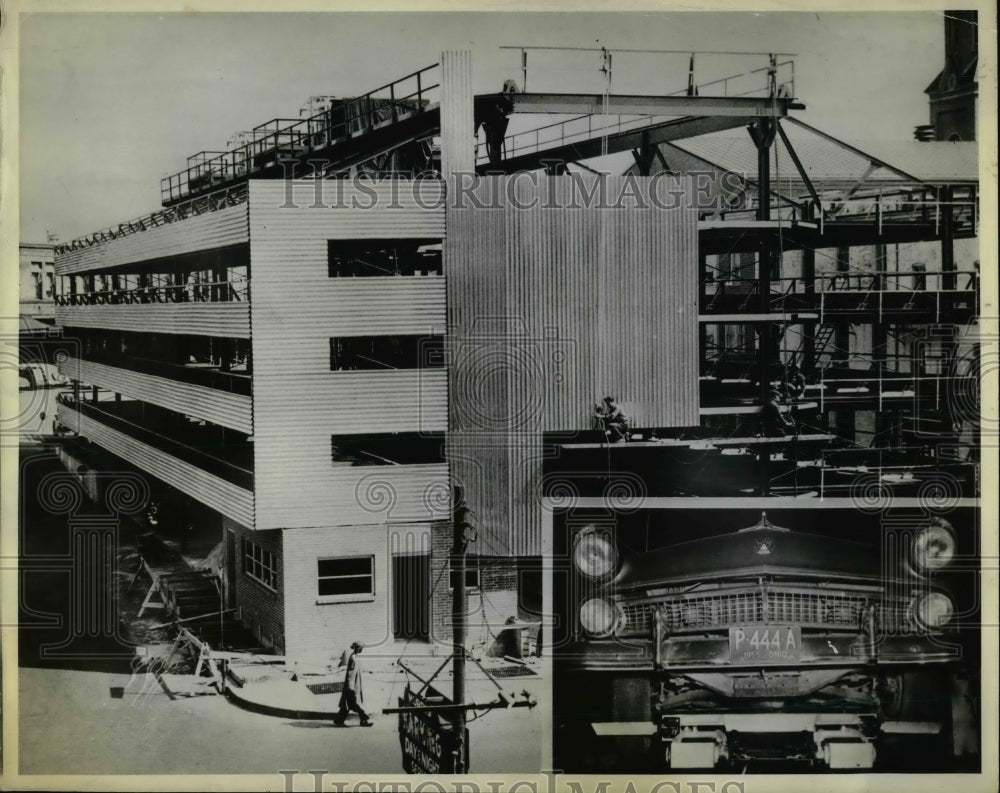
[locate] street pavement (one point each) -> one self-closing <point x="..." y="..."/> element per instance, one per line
<point x="70" y="724"/>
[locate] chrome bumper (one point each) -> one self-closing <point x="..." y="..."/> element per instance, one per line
<point x="711" y="653"/>
<point x="703" y="740"/>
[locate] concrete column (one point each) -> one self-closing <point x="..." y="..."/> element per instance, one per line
<point x="809" y="328"/>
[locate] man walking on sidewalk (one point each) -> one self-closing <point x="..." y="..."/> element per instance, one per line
<point x="350" y="697"/>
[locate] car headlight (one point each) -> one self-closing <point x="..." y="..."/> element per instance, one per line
<point x="934" y="610"/>
<point x="934" y="546"/>
<point x="598" y="617"/>
<point x="595" y="555"/>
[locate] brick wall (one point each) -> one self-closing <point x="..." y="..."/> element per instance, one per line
<point x="260" y="608"/>
<point x="441" y="542"/>
<point x="489" y="606"/>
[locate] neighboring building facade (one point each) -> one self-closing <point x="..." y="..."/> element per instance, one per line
<point x="953" y="93"/>
<point x="38" y="286"/>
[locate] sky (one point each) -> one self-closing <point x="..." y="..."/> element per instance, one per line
<point x="110" y="103"/>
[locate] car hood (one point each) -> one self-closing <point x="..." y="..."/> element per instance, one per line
<point x="763" y="549"/>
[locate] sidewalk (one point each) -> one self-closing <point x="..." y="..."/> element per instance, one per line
<point x="287" y="692"/>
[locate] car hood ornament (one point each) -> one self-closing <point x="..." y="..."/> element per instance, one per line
<point x="763" y="525"/>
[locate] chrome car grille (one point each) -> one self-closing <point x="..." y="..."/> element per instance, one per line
<point x="754" y="605"/>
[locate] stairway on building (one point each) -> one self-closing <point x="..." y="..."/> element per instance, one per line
<point x="191" y="597"/>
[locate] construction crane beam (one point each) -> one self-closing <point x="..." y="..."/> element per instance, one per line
<point x="741" y="107"/>
<point x="676" y="129"/>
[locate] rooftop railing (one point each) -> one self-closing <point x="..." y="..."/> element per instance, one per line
<point x="215" y="180"/>
<point x="281" y="139"/>
<point x="754" y="82"/>
<point x="202" y="292"/>
<point x="572" y="130"/>
<point x="220" y="199"/>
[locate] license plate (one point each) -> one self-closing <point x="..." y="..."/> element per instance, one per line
<point x="770" y="643"/>
<point x="766" y="686"/>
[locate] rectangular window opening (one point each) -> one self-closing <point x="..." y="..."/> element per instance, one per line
<point x="345" y="577"/>
<point x="383" y="258"/>
<point x="388" y="448"/>
<point x="354" y="353"/>
<point x="471" y="578"/>
<point x="260" y="564"/>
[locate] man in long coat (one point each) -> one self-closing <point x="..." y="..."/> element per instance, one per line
<point x="350" y="697"/>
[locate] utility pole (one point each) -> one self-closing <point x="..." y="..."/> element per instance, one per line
<point x="459" y="612"/>
<point x="763" y="131"/>
<point x="427" y="747"/>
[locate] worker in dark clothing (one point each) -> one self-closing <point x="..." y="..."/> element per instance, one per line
<point x="775" y="422"/>
<point x="350" y="697"/>
<point x="795" y="383"/>
<point x="495" y="122"/>
<point x="613" y="420"/>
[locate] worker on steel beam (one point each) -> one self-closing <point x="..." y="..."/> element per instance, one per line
<point x="613" y="420"/>
<point x="775" y="423"/>
<point x="794" y="382"/>
<point x="495" y="122"/>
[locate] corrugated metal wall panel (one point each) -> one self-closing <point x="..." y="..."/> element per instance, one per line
<point x="68" y="417"/>
<point x="478" y="343"/>
<point x="296" y="309"/>
<point x="402" y="400"/>
<point x="287" y="216"/>
<point x="479" y="361"/>
<point x="210" y="404"/>
<point x="479" y="464"/>
<point x="590" y="299"/>
<point x="228" y="320"/>
<point x="609" y="298"/>
<point x="340" y="495"/>
<point x="457" y="133"/>
<point x="211" y="230"/>
<point x="224" y="497"/>
<point x="338" y="307"/>
<point x="502" y="480"/>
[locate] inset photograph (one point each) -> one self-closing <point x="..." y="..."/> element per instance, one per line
<point x="777" y="640"/>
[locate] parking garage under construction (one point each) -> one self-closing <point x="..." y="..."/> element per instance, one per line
<point x="798" y="321"/>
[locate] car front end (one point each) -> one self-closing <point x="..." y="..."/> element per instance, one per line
<point x="764" y="644"/>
